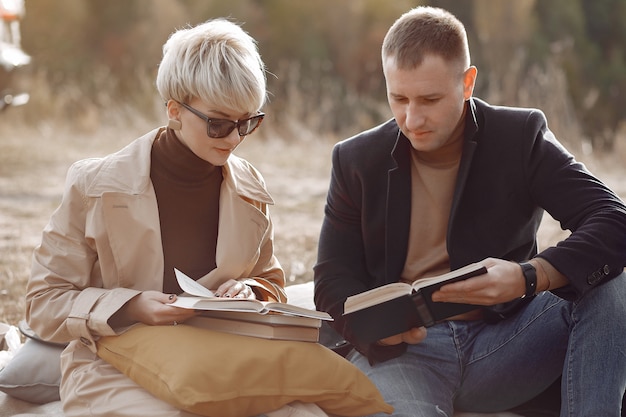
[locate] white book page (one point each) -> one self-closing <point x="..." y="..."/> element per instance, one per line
<point x="191" y="287"/>
<point x="375" y="296"/>
<point x="424" y="282"/>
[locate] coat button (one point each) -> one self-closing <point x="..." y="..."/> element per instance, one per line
<point x="606" y="270"/>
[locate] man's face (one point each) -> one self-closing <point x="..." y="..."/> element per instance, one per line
<point x="428" y="101"/>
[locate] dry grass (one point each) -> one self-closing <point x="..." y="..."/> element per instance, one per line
<point x="33" y="162"/>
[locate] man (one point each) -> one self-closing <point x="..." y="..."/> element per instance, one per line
<point x="452" y="180"/>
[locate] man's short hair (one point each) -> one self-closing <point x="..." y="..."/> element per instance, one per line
<point x="424" y="31"/>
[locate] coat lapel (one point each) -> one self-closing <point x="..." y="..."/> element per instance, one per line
<point x="131" y="217"/>
<point x="242" y="224"/>
<point x="131" y="223"/>
<point x="241" y="229"/>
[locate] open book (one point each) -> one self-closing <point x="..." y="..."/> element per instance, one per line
<point x="272" y="319"/>
<point x="199" y="297"/>
<point x="397" y="307"/>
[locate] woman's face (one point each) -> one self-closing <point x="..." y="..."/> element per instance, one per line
<point x="193" y="132"/>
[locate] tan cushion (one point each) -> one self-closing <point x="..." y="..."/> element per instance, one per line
<point x="226" y="375"/>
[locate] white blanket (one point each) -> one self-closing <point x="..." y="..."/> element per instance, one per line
<point x="10" y="406"/>
<point x="300" y="294"/>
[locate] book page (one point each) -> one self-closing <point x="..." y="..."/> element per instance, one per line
<point x="285" y="308"/>
<point x="271" y="318"/>
<point x="191" y="287"/>
<point x="218" y="304"/>
<point x="423" y="282"/>
<point x="375" y="296"/>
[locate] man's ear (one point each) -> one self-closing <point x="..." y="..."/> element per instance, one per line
<point x="469" y="81"/>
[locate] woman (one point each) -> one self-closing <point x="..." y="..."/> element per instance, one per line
<point x="174" y="198"/>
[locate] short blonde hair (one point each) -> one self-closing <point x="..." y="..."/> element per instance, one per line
<point x="217" y="62"/>
<point x="423" y="31"/>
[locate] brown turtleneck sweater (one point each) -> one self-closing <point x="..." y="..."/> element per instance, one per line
<point x="188" y="193"/>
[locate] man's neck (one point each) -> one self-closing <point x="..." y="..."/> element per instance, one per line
<point x="448" y="154"/>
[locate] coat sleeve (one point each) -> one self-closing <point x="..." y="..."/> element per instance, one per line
<point x="267" y="277"/>
<point x="64" y="298"/>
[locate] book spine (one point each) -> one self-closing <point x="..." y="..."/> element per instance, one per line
<point x="422" y="309"/>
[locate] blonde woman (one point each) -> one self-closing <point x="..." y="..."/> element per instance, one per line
<point x="175" y="197"/>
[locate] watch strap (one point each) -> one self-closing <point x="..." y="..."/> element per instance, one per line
<point x="530" y="277"/>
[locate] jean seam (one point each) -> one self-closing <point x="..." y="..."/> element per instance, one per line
<point x="567" y="405"/>
<point x="554" y="304"/>
<point x="459" y="355"/>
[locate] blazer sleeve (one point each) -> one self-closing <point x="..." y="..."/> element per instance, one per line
<point x="340" y="270"/>
<point x="595" y="251"/>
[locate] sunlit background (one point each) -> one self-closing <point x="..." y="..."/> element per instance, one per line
<point x="94" y="61"/>
<point x="91" y="86"/>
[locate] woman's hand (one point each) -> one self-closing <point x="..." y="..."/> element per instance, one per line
<point x="150" y="307"/>
<point x="234" y="289"/>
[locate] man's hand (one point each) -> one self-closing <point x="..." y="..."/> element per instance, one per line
<point x="503" y="282"/>
<point x="412" y="337"/>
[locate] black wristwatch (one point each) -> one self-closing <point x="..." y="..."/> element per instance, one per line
<point x="530" y="276"/>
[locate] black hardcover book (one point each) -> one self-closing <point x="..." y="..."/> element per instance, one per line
<point x="395" y="308"/>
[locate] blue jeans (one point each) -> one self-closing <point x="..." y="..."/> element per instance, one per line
<point x="479" y="367"/>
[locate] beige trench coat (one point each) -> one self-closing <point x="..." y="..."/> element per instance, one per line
<point x="102" y="247"/>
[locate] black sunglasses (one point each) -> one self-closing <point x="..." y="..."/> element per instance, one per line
<point x="220" y="128"/>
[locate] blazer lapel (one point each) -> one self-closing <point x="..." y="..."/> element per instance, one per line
<point x="398" y="209"/>
<point x="469" y="147"/>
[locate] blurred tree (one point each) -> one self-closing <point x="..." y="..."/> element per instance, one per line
<point x="92" y="55"/>
<point x="503" y="30"/>
<point x="602" y="106"/>
<point x="587" y="39"/>
<point x="53" y="33"/>
<point x="327" y="60"/>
